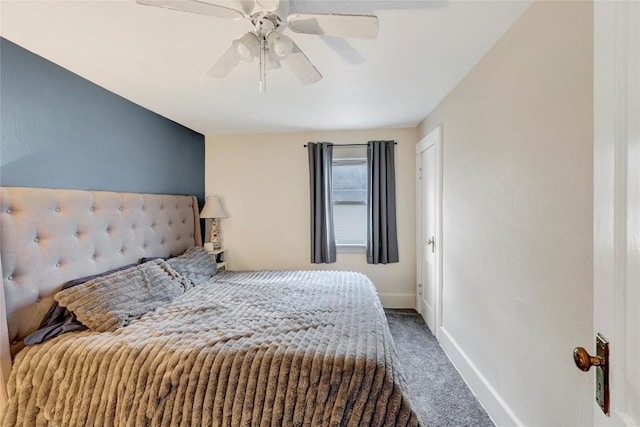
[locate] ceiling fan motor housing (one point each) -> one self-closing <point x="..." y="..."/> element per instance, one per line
<point x="265" y="22"/>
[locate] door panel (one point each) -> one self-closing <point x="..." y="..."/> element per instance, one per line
<point x="617" y="203"/>
<point x="427" y="299"/>
<point x="429" y="228"/>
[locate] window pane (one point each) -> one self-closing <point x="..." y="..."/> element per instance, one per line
<point x="350" y="222"/>
<point x="350" y="181"/>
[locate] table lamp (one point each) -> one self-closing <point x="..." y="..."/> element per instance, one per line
<point x="213" y="209"/>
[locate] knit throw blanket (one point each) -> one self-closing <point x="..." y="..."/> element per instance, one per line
<point x="286" y="348"/>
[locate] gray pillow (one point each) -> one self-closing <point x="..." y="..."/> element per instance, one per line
<point x="111" y="302"/>
<point x="59" y="320"/>
<point x="196" y="264"/>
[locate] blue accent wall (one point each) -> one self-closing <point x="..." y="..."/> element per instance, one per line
<point x="58" y="130"/>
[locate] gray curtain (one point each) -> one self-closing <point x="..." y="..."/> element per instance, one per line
<point x="382" y="235"/>
<point x="323" y="242"/>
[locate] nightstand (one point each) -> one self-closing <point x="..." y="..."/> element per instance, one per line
<point x="218" y="256"/>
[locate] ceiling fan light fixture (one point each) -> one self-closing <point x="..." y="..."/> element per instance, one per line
<point x="272" y="62"/>
<point x="279" y="44"/>
<point x="247" y="46"/>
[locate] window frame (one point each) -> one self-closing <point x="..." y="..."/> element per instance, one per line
<point x="350" y="247"/>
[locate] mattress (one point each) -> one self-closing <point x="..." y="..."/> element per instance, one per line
<point x="266" y="348"/>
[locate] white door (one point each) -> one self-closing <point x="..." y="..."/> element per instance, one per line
<point x="428" y="224"/>
<point x="426" y="283"/>
<point x="617" y="204"/>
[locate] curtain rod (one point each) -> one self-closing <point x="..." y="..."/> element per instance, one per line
<point x="349" y="145"/>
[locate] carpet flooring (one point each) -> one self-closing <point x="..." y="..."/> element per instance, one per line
<point x="440" y="396"/>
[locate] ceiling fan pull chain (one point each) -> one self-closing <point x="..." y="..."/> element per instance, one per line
<point x="263" y="60"/>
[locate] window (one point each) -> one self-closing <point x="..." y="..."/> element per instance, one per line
<point x="350" y="201"/>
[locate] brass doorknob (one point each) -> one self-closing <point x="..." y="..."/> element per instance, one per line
<point x="584" y="361"/>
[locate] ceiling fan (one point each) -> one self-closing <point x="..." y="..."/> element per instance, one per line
<point x="266" y="42"/>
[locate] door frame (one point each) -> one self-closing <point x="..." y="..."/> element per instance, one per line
<point x="433" y="138"/>
<point x="616" y="293"/>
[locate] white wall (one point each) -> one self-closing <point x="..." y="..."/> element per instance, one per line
<point x="264" y="182"/>
<point x="518" y="219"/>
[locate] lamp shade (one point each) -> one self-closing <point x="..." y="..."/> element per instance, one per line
<point x="279" y="44"/>
<point x="213" y="208"/>
<point x="247" y="46"/>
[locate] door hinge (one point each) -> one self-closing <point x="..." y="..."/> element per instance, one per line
<point x="432" y="242"/>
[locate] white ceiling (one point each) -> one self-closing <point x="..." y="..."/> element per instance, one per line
<point x="159" y="58"/>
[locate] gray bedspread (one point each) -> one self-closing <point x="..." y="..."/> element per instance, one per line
<point x="287" y="348"/>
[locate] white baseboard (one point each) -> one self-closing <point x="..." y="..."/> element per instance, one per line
<point x="398" y="300"/>
<point x="488" y="397"/>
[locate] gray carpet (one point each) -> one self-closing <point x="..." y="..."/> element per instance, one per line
<point x="440" y="396"/>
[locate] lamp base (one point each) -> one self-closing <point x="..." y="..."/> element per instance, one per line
<point x="214" y="235"/>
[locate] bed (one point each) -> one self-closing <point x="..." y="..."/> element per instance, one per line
<point x="263" y="348"/>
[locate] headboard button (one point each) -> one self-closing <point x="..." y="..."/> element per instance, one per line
<point x="93" y="257"/>
<point x="14" y="342"/>
<point x="75" y="234"/>
<point x="57" y="209"/>
<point x="38" y="299"/>
<point x="91" y="208"/>
<point x="35" y="240"/>
<point x="57" y="264"/>
<point x="10" y="277"/>
<point x="8" y="211"/>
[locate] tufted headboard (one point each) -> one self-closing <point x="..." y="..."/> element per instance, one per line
<point x="48" y="237"/>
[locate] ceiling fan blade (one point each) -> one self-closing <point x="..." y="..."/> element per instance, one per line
<point x="350" y="26"/>
<point x="283" y="8"/>
<point x="302" y="67"/>
<point x="195" y="6"/>
<point x="269" y="5"/>
<point x="248" y="6"/>
<point x="225" y="64"/>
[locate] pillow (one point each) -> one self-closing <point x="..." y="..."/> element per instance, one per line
<point x="196" y="264"/>
<point x="111" y="302"/>
<point x="59" y="320"/>
<point x="151" y="258"/>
